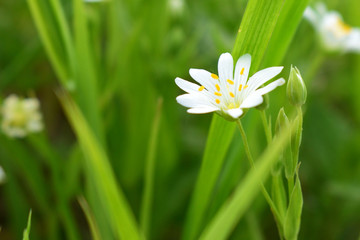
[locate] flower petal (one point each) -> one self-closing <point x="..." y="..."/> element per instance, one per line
<point x="204" y="78"/>
<point x="270" y="86"/>
<point x="226" y="67"/>
<point x="235" y="112"/>
<point x="262" y="77"/>
<point x="193" y="101"/>
<point x="312" y="17"/>
<point x="353" y="41"/>
<point x="199" y="110"/>
<point x="187" y="86"/>
<point x="241" y="75"/>
<point x="253" y="100"/>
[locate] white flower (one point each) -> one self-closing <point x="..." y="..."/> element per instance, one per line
<point x="176" y="6"/>
<point x="21" y="116"/>
<point x="2" y="175"/>
<point x="334" y="34"/>
<point x="229" y="94"/>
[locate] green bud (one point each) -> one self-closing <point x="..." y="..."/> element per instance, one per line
<point x="282" y="121"/>
<point x="265" y="103"/>
<point x="296" y="89"/>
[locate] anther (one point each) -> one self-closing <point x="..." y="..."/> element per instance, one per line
<point x="214" y="76"/>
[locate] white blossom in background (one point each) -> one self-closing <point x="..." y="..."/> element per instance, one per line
<point x="230" y="93"/>
<point x="334" y="34"/>
<point x="176" y="6"/>
<point x="20" y="116"/>
<point x="2" y="175"/>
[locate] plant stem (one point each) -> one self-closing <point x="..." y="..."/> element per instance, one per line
<point x="149" y="173"/>
<point x="267" y="127"/>
<point x="263" y="189"/>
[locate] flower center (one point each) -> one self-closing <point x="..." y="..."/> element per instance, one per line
<point x="341" y="29"/>
<point x="233" y="105"/>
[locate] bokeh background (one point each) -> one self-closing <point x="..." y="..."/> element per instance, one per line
<point x="156" y="42"/>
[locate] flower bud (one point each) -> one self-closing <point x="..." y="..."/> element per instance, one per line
<point x="296" y="89"/>
<point x="282" y="121"/>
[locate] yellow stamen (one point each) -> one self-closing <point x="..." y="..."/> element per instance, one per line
<point x="346" y="28"/>
<point x="217" y="87"/>
<point x="245" y="87"/>
<point x="217" y="101"/>
<point x="217" y="94"/>
<point x="231" y="94"/>
<point x="240" y="87"/>
<point x="201" y="88"/>
<point x="214" y="76"/>
<point x="242" y="71"/>
<point x="229" y="81"/>
<point x="231" y="106"/>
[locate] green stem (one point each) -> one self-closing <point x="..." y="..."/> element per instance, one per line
<point x="149" y="173"/>
<point x="290" y="181"/>
<point x="316" y="63"/>
<point x="267" y="127"/>
<point x="263" y="189"/>
<point x="297" y="139"/>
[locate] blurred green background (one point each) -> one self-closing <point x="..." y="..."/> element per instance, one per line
<point x="154" y="42"/>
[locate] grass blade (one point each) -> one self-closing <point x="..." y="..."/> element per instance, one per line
<point x="230" y="213"/>
<point x="149" y="172"/>
<point x="95" y="233"/>
<point x="26" y="233"/>
<point x="121" y="218"/>
<point x="290" y="17"/>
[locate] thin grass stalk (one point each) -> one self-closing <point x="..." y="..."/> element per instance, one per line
<point x="65" y="32"/>
<point x="266" y="125"/>
<point x="149" y="172"/>
<point x="95" y="233"/>
<point x="263" y="189"/>
<point x="41" y="23"/>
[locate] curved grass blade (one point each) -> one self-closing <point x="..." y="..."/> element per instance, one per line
<point x="115" y="205"/>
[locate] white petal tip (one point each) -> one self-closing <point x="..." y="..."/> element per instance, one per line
<point x="235" y="113"/>
<point x="201" y="110"/>
<point x="280" y="81"/>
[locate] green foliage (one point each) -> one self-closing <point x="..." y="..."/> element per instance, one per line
<point x="115" y="205"/>
<point x="186" y="175"/>
<point x="26" y="233"/>
<point x="232" y="210"/>
<point x="293" y="213"/>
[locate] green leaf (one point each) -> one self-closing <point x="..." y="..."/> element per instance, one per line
<point x="290" y="17"/>
<point x="86" y="75"/>
<point x="115" y="205"/>
<point x="233" y="209"/>
<point x="293" y="214"/>
<point x="26" y="233"/>
<point x="95" y="233"/>
<point x="48" y="30"/>
<point x="254" y="34"/>
<point x="279" y="195"/>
